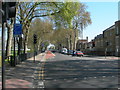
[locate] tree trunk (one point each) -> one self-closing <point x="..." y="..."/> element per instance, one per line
<point x="25" y="41"/>
<point x="39" y="44"/>
<point x="71" y="43"/>
<point x="75" y="37"/>
<point x="9" y="38"/>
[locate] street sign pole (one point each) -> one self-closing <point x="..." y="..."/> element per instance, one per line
<point x="34" y="53"/>
<point x="34" y="42"/>
<point x="14" y="54"/>
<point x="14" y="45"/>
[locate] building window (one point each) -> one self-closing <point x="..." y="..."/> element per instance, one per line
<point x="117" y="30"/>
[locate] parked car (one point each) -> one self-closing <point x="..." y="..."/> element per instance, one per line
<point x="54" y="50"/>
<point x="70" y="52"/>
<point x="79" y="53"/>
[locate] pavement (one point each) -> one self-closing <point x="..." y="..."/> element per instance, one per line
<point x="22" y="76"/>
<point x="104" y="58"/>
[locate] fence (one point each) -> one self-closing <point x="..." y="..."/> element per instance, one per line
<point x="100" y="53"/>
<point x="20" y="58"/>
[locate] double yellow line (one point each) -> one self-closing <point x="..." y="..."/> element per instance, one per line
<point x="41" y="72"/>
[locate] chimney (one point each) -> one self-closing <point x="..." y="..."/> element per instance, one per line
<point x="87" y="39"/>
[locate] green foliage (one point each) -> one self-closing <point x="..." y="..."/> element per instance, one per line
<point x="67" y="12"/>
<point x="66" y="16"/>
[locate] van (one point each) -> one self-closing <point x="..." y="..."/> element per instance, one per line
<point x="64" y="50"/>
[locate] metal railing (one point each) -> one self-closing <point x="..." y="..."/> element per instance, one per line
<point x="20" y="58"/>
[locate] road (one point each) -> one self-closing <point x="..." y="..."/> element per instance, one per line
<point x="65" y="71"/>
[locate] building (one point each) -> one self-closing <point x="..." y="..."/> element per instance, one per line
<point x="106" y="43"/>
<point x="119" y="10"/>
<point x="82" y="44"/>
<point x="117" y="38"/>
<point x="109" y="40"/>
<point x="99" y="47"/>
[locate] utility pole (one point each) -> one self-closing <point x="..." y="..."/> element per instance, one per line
<point x="3" y="54"/>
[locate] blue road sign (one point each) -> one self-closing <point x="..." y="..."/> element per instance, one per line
<point x="17" y="30"/>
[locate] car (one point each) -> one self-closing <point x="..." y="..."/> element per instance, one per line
<point x="54" y="51"/>
<point x="79" y="53"/>
<point x="70" y="52"/>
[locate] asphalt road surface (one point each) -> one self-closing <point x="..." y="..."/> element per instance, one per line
<point x="66" y="71"/>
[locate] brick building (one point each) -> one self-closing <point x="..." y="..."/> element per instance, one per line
<point x="82" y="44"/>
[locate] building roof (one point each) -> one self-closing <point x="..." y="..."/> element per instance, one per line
<point x="99" y="36"/>
<point x="111" y="27"/>
<point x="82" y="41"/>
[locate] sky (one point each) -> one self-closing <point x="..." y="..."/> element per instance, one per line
<point x="103" y="15"/>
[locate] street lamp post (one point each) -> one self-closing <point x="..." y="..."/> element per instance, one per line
<point x="3" y="55"/>
<point x="107" y="43"/>
<point x="105" y="52"/>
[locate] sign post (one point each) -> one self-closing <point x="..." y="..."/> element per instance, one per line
<point x="17" y="32"/>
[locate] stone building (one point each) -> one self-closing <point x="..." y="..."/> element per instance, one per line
<point x="99" y="41"/>
<point x="109" y="40"/>
<point x="117" y="38"/>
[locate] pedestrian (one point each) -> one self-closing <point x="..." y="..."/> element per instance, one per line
<point x="73" y="53"/>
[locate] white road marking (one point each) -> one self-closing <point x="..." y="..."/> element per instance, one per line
<point x="103" y="76"/>
<point x="41" y="83"/>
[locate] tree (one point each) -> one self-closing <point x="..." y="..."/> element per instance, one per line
<point x="73" y="16"/>
<point x="80" y="21"/>
<point x="37" y="9"/>
<point x="43" y="30"/>
<point x="9" y="26"/>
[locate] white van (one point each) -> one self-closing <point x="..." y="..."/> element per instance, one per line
<point x="64" y="50"/>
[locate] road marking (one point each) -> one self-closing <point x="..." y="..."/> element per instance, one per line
<point x="75" y="78"/>
<point x="55" y="80"/>
<point x="103" y="76"/>
<point x="41" y="83"/>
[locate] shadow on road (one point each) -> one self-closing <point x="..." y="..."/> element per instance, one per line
<point x="81" y="74"/>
